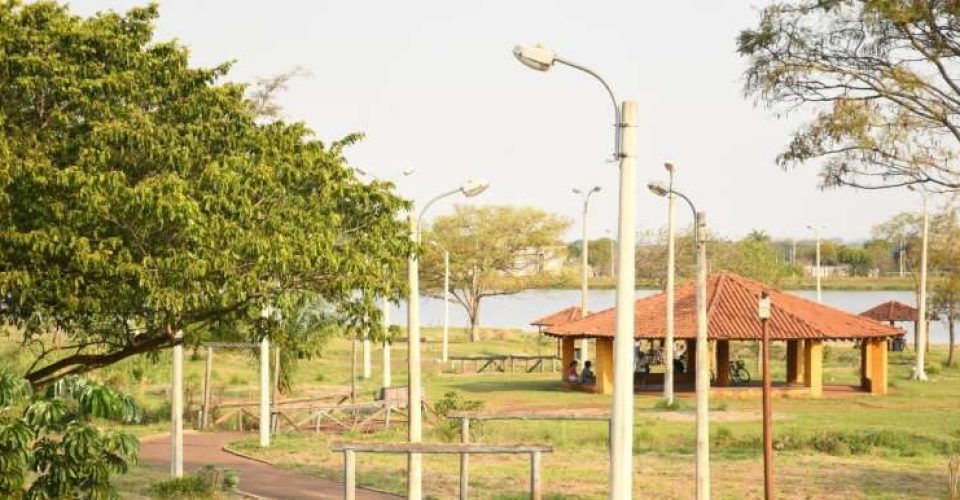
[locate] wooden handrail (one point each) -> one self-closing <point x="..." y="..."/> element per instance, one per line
<point x="448" y="448"/>
<point x="530" y="416"/>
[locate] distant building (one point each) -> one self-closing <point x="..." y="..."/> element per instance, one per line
<point x="543" y="260"/>
<point x="840" y="271"/>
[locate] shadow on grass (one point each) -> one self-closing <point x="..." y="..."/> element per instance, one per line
<point x="512" y="385"/>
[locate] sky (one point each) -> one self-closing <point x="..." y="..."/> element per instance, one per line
<point x="434" y="87"/>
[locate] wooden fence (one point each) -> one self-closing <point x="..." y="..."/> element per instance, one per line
<point x="350" y="450"/>
<point x="505" y="363"/>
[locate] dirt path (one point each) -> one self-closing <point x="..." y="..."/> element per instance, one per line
<point x="257" y="478"/>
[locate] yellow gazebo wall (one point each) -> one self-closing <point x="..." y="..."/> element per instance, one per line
<point x="794" y="362"/>
<point x="873" y="365"/>
<point x="813" y="366"/>
<point x="604" y="366"/>
<point x="566" y="355"/>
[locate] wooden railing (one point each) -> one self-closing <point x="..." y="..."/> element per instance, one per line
<point x="505" y="362"/>
<point x="466" y="417"/>
<point x="350" y="450"/>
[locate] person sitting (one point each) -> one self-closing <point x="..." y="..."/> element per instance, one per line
<point x="587" y="376"/>
<point x="678" y="365"/>
<point x="642" y="364"/>
<point x="570" y="374"/>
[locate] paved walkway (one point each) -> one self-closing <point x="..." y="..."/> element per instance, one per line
<point x="257" y="478"/>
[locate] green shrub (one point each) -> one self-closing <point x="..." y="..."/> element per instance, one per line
<point x="190" y="486"/>
<point x="665" y="405"/>
<point x="933" y="369"/>
<point x="449" y="429"/>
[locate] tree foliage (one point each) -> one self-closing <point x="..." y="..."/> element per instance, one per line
<point x="139" y="196"/>
<point x="49" y="446"/>
<point x="490" y="249"/>
<point x="879" y="80"/>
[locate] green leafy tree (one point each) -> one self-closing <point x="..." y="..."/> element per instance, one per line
<point x="944" y="253"/>
<point x="600" y="257"/>
<point x="49" y="445"/>
<point x="857" y="258"/>
<point x="878" y="80"/>
<point x="492" y="252"/>
<point x="754" y="256"/>
<point x="139" y="197"/>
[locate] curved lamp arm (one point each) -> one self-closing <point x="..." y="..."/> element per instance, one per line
<point x="617" y="154"/>
<point x="427" y="205"/>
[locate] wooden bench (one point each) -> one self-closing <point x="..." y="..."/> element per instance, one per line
<point x="350" y="450"/>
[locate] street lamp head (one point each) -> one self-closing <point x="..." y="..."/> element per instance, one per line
<point x="658" y="188"/>
<point x="670" y="167"/>
<point x="577" y="191"/>
<point x="473" y="187"/>
<point x="596" y="189"/>
<point x="408" y="171"/>
<point x="535" y="57"/>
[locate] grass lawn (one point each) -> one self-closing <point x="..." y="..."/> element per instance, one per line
<point x="856" y="446"/>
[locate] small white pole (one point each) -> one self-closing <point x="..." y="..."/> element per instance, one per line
<point x="264" y="392"/>
<point x="176" y="408"/>
<point x="386" y="343"/>
<point x="445" y="348"/>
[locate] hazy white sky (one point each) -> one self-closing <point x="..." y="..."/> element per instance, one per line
<point x="435" y="87"/>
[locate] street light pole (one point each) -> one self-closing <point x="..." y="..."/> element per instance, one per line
<point x="386" y="342"/>
<point x="621" y="453"/>
<point x="920" y="370"/>
<point x="819" y="270"/>
<point x="702" y="361"/>
<point x="584" y="264"/>
<point x="764" y="314"/>
<point x="671" y="276"/>
<point x="612" y="250"/>
<point x="414" y="390"/>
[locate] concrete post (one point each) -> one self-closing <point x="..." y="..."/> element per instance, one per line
<point x="176" y="408"/>
<point x="386" y="343"/>
<point x="264" y="392"/>
<point x="414" y="460"/>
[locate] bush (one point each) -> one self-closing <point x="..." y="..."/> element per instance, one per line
<point x="205" y="483"/>
<point x="449" y="429"/>
<point x="665" y="405"/>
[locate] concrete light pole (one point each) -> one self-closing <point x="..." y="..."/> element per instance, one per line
<point x="613" y="250"/>
<point x="584" y="264"/>
<point x="415" y="435"/>
<point x="176" y="408"/>
<point x="386" y="342"/>
<point x="819" y="270"/>
<point x="445" y="340"/>
<point x="367" y="344"/>
<point x="621" y="453"/>
<point x="702" y="358"/>
<point x="671" y="277"/>
<point x="920" y="370"/>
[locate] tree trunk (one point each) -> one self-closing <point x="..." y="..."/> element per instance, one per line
<point x="474" y="314"/>
<point x="953" y="343"/>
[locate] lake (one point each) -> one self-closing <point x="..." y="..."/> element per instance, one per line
<point x="518" y="310"/>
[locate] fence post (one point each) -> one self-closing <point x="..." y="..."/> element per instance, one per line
<point x="464" y="459"/>
<point x="206" y="389"/>
<point x="349" y="475"/>
<point x="535" y="492"/>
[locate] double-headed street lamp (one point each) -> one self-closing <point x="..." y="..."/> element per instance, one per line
<point x="584" y="261"/>
<point x="469" y="189"/>
<point x="920" y="370"/>
<point x="621" y="453"/>
<point x="702" y="375"/>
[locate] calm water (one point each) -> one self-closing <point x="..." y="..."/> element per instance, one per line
<point x="517" y="311"/>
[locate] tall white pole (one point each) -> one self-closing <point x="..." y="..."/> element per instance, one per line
<point x="367" y="355"/>
<point x="386" y="342"/>
<point x="445" y="342"/>
<point x="414" y="462"/>
<point x="671" y="272"/>
<point x="920" y="371"/>
<point x="621" y="463"/>
<point x="703" y="366"/>
<point x="176" y="408"/>
<point x="819" y="269"/>
<point x="584" y="276"/>
<point x="264" y="392"/>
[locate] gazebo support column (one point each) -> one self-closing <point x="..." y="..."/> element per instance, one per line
<point x="723" y="363"/>
<point x="691" y="356"/>
<point x="866" y="364"/>
<point x="875" y="365"/>
<point x="813" y="366"/>
<point x="566" y="354"/>
<point x="794" y="363"/>
<point x="604" y="365"/>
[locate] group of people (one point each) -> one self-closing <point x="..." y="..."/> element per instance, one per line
<point x="642" y="363"/>
<point x="586" y="377"/>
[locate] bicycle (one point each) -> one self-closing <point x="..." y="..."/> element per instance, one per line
<point x="738" y="372"/>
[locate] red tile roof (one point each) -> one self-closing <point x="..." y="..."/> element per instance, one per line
<point x="558" y="318"/>
<point x="732" y="314"/>
<point x="892" y="310"/>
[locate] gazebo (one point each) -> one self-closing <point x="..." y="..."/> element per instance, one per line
<point x="732" y="316"/>
<point x="562" y="316"/>
<point x="893" y="312"/>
